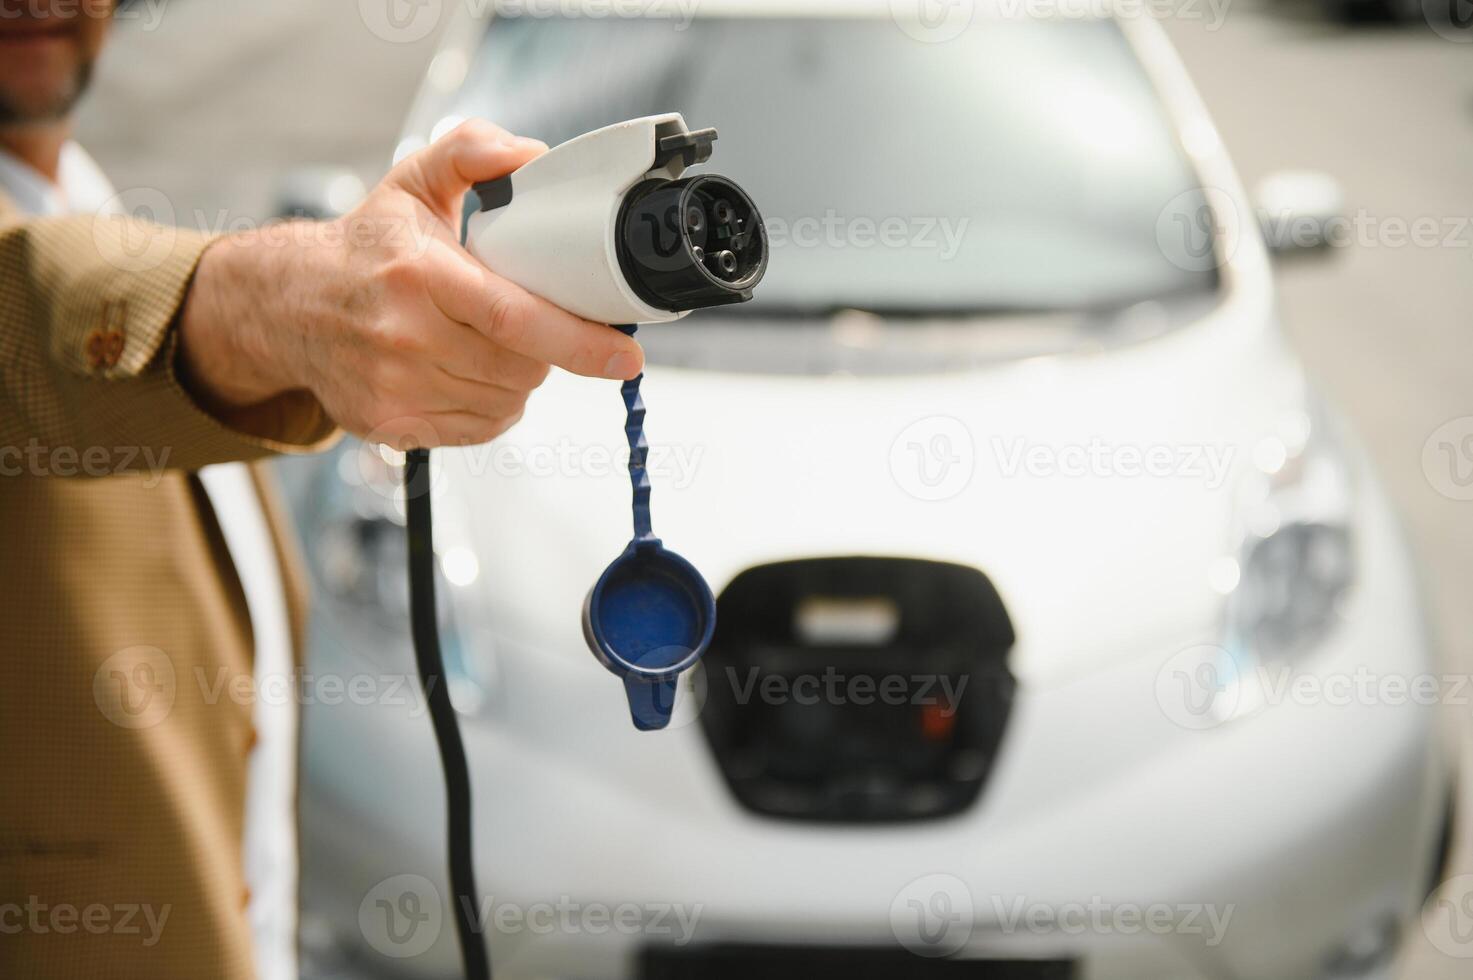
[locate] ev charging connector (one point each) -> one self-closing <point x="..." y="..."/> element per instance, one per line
<point x="606" y="226"/>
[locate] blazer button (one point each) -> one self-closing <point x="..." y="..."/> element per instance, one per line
<point x="105" y="344"/>
<point x="252" y="737"/>
<point x="96" y="349"/>
<point x="113" y="343"/>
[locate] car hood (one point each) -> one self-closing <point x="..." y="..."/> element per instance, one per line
<point x="1097" y="491"/>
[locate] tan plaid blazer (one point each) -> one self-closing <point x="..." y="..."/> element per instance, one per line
<point x="122" y="762"/>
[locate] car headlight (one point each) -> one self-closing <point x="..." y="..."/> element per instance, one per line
<point x="1296" y="561"/>
<point x="357" y="550"/>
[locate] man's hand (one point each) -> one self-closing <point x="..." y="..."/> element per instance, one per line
<point x="383" y="317"/>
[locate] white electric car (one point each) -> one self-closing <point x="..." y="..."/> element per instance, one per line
<point x="1060" y="626"/>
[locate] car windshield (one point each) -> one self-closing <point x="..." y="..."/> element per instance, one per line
<point x="1023" y="166"/>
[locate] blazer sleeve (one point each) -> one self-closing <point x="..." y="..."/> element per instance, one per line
<point x="88" y="330"/>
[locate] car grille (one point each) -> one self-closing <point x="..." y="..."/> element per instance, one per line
<point x="858" y="689"/>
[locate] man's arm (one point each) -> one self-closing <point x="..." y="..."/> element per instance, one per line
<point x="124" y="336"/>
<point x="388" y="321"/>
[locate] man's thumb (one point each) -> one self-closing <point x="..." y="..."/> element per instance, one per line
<point x="476" y="150"/>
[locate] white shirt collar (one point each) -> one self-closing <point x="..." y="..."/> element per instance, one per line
<point x="81" y="187"/>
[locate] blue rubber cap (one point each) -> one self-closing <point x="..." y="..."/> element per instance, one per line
<point x="649" y="617"/>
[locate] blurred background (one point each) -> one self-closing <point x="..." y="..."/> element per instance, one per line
<point x="215" y="102"/>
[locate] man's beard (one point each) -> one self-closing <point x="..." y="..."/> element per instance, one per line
<point x="59" y="108"/>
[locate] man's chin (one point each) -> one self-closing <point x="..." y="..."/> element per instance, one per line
<point x="40" y="105"/>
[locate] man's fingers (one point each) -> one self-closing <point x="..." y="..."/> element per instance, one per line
<point x="468" y="429"/>
<point x="452" y="394"/>
<point x="529" y="325"/>
<point x="468" y="355"/>
<point x="440" y="174"/>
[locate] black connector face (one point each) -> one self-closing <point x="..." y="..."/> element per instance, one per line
<point x="692" y="243"/>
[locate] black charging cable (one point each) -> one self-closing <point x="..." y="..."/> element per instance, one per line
<point x="423" y="621"/>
